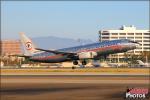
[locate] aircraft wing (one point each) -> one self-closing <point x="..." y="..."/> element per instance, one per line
<point x="56" y="51"/>
<point x="26" y="56"/>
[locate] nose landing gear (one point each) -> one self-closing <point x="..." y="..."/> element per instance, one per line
<point x="84" y="62"/>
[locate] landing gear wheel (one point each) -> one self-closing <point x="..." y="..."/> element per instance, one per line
<point x="75" y="62"/>
<point x="73" y="67"/>
<point x="84" y="62"/>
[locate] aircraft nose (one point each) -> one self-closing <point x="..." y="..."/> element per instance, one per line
<point x="136" y="44"/>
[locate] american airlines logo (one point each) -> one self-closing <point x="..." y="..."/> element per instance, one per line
<point x="28" y="45"/>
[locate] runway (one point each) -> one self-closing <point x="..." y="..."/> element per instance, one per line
<point x="99" y="79"/>
<point x="69" y="87"/>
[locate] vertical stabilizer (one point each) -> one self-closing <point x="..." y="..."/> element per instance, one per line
<point x="27" y="44"/>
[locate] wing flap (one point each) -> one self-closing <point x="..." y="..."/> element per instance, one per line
<point x="26" y="56"/>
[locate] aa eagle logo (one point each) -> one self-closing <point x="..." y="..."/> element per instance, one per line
<point x="28" y="45"/>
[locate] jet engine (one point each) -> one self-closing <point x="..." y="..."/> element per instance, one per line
<point x="87" y="55"/>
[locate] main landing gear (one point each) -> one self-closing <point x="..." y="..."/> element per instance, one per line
<point x="75" y="62"/>
<point x="84" y="62"/>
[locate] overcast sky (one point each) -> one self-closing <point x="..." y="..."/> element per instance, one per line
<point x="70" y="19"/>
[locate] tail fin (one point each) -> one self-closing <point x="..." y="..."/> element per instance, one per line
<point x="27" y="44"/>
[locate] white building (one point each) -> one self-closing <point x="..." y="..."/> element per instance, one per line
<point x="141" y="36"/>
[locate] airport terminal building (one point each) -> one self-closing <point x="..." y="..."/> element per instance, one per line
<point x="10" y="47"/>
<point x="132" y="33"/>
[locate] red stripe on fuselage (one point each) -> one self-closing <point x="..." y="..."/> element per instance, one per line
<point x="48" y="57"/>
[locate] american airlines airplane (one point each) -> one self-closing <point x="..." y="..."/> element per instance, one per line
<point x="89" y="51"/>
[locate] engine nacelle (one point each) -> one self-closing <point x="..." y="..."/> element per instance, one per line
<point x="87" y="55"/>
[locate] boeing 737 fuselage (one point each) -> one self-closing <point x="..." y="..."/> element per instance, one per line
<point x="83" y="52"/>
